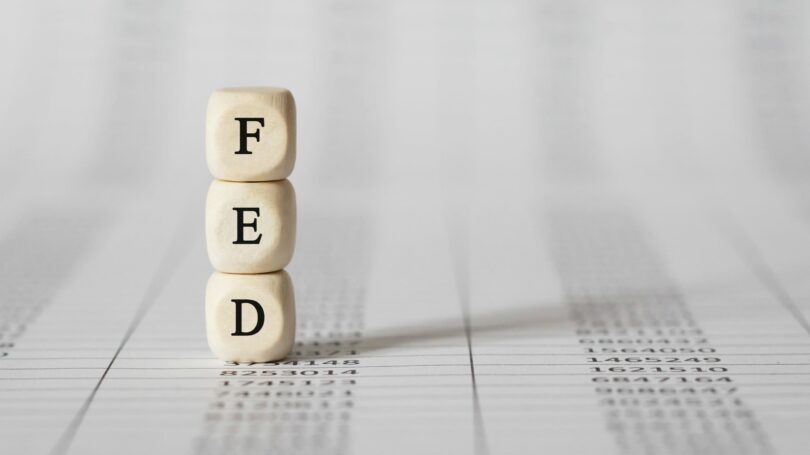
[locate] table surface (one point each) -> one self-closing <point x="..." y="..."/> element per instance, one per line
<point x="569" y="227"/>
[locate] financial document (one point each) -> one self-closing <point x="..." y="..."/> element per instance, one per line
<point x="524" y="227"/>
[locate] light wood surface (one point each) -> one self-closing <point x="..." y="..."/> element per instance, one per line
<point x="265" y="116"/>
<point x="270" y="206"/>
<point x="275" y="337"/>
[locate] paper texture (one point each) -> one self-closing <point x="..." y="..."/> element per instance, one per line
<point x="558" y="227"/>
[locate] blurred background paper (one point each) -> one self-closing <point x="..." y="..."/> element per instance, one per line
<point x="557" y="226"/>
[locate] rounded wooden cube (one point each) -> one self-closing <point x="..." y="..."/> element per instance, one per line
<point x="250" y="134"/>
<point x="250" y="318"/>
<point x="250" y="227"/>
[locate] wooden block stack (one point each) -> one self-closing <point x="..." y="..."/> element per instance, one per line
<point x="250" y="220"/>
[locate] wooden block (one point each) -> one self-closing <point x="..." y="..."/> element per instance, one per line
<point x="250" y="318"/>
<point x="250" y="134"/>
<point x="250" y="227"/>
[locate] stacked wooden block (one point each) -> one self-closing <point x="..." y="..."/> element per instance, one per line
<point x="250" y="221"/>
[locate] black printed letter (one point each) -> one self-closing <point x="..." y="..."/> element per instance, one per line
<point x="244" y="135"/>
<point x="259" y="317"/>
<point x="241" y="225"/>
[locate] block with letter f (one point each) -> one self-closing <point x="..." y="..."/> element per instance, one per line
<point x="250" y="134"/>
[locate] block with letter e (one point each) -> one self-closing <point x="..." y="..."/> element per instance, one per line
<point x="250" y="227"/>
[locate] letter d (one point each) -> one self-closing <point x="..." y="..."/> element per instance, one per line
<point x="259" y="317"/>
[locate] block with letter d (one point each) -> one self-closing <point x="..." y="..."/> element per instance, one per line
<point x="250" y="223"/>
<point x="250" y="318"/>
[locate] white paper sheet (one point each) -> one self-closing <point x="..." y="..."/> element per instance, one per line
<point x="557" y="227"/>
